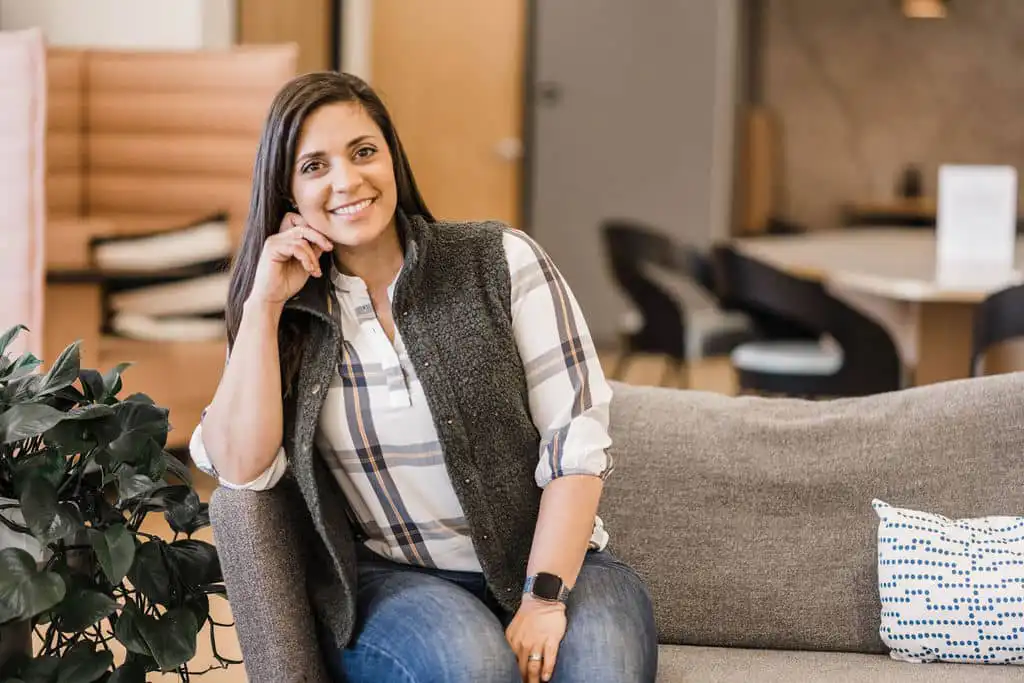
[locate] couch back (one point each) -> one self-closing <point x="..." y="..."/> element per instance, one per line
<point x="751" y="518"/>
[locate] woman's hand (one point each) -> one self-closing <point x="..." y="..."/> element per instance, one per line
<point x="537" y="628"/>
<point x="287" y="261"/>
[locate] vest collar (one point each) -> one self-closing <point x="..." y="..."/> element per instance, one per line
<point x="317" y="296"/>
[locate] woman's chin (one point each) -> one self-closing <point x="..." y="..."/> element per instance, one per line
<point x="353" y="234"/>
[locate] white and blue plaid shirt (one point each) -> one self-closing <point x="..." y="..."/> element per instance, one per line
<point x="377" y="432"/>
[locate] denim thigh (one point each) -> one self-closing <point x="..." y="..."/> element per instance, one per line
<point x="611" y="635"/>
<point x="416" y="626"/>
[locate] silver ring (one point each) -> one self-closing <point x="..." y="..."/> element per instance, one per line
<point x="535" y="657"/>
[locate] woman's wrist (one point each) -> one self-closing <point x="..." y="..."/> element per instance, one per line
<point x="263" y="314"/>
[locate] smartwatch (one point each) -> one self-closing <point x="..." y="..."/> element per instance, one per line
<point x="547" y="587"/>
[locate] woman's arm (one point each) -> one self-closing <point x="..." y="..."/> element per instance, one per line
<point x="242" y="428"/>
<point x="569" y="401"/>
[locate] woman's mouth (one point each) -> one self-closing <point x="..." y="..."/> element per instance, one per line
<point x="353" y="210"/>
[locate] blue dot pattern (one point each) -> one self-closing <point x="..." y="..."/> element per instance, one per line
<point x="951" y="590"/>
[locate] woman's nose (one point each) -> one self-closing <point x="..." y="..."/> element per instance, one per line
<point x="345" y="177"/>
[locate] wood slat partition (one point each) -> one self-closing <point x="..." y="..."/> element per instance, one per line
<point x="144" y="141"/>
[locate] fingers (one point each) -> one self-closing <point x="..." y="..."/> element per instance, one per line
<point x="533" y="667"/>
<point x="548" y="665"/>
<point x="285" y="247"/>
<point x="294" y="224"/>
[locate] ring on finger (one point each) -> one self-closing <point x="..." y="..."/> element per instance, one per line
<point x="535" y="657"/>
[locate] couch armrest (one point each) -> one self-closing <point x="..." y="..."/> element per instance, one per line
<point x="260" y="541"/>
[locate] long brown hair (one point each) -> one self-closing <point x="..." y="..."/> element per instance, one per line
<point x="271" y="183"/>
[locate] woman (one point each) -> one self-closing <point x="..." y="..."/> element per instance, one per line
<point x="434" y="391"/>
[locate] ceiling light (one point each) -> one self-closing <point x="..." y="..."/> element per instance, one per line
<point x="924" y="9"/>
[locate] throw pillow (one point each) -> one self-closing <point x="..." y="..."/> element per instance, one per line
<point x="951" y="590"/>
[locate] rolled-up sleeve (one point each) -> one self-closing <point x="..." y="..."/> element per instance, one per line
<point x="569" y="396"/>
<point x="266" y="480"/>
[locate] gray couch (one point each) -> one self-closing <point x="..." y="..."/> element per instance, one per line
<point x="750" y="520"/>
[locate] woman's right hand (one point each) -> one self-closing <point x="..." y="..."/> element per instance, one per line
<point x="287" y="261"/>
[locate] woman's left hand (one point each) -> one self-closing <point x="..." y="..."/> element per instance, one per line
<point x="537" y="628"/>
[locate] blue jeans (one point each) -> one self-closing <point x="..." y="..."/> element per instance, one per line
<point x="423" y="625"/>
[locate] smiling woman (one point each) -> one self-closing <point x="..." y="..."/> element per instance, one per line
<point x="433" y="390"/>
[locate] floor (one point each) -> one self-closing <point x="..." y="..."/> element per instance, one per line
<point x="713" y="376"/>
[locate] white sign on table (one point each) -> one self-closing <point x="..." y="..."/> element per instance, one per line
<point x="977" y="226"/>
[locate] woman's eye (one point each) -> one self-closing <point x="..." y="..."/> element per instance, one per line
<point x="312" y="166"/>
<point x="365" y="152"/>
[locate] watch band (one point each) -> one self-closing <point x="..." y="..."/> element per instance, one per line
<point x="563" y="593"/>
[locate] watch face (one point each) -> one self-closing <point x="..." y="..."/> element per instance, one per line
<point x="547" y="586"/>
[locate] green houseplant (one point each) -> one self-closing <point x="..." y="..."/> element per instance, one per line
<point x="80" y="470"/>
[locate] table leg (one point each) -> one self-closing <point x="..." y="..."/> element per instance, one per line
<point x="943" y="341"/>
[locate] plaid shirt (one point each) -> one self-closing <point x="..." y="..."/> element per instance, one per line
<point x="377" y="432"/>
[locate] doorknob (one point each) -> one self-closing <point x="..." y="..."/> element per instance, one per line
<point x="548" y="92"/>
<point x="509" y="149"/>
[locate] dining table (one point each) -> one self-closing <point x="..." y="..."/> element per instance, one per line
<point x="892" y="275"/>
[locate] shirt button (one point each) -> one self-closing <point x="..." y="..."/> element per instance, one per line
<point x="467" y="481"/>
<point x="484" y="537"/>
<point x="426" y="364"/>
<point x="449" y="421"/>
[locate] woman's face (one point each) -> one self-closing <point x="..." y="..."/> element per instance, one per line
<point x="343" y="181"/>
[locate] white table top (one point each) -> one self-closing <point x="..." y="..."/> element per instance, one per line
<point x="894" y="263"/>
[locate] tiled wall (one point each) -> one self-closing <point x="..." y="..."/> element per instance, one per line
<point x="860" y="91"/>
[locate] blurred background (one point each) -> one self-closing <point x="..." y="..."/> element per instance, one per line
<point x="744" y="195"/>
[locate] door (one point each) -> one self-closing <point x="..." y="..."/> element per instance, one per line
<point x="451" y="73"/>
<point x="310" y="24"/>
<point x="631" y="119"/>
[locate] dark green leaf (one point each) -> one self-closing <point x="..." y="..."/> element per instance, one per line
<point x="140" y="398"/>
<point x="9" y="335"/>
<point x="92" y="385"/>
<point x="131" y="485"/>
<point x="200" y="521"/>
<point x="177" y="467"/>
<point x="129" y="672"/>
<point x="115" y="550"/>
<point x="81" y="609"/>
<point x="48" y="519"/>
<point x="171" y="638"/>
<point x="25" y="591"/>
<point x="48" y="465"/>
<point x="199" y="604"/>
<point x="83" y="664"/>
<point x="197" y="561"/>
<point x="149" y="572"/>
<point x="129" y="447"/>
<point x="27" y="420"/>
<point x="39" y="505"/>
<point x="42" y="670"/>
<point x="112" y="380"/>
<point x="128" y="631"/>
<point x="25" y="365"/>
<point x="182" y="517"/>
<point x="23" y="390"/>
<point x="64" y="371"/>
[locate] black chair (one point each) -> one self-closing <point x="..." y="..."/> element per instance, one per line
<point x="841" y="353"/>
<point x="997" y="319"/>
<point x="634" y="253"/>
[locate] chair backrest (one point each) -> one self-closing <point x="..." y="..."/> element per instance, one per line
<point x="775" y="300"/>
<point x="631" y="247"/>
<point x="22" y="184"/>
<point x="997" y="319"/>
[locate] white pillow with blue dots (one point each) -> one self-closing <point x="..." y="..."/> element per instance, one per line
<point x="952" y="590"/>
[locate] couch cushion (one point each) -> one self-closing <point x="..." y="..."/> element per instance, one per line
<point x="681" y="664"/>
<point x="750" y="518"/>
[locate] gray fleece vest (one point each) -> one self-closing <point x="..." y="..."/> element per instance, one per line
<point x="452" y="304"/>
